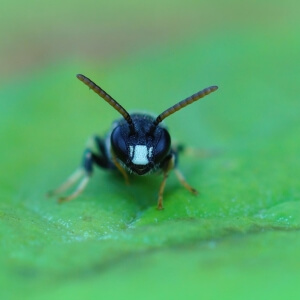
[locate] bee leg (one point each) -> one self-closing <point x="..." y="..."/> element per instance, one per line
<point x="168" y="165"/>
<point x="176" y="151"/>
<point x="195" y="152"/>
<point x="87" y="171"/>
<point x="94" y="154"/>
<point x="182" y="180"/>
<point x="120" y="169"/>
<point x="161" y="192"/>
<point x="68" y="183"/>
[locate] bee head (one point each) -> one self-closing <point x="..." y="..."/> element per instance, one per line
<point x="143" y="149"/>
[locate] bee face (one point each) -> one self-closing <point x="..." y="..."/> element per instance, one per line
<point x="143" y="150"/>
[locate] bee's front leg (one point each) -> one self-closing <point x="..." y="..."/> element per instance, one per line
<point x="167" y="165"/>
<point x="94" y="154"/>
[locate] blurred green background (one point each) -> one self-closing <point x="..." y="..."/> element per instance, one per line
<point x="239" y="238"/>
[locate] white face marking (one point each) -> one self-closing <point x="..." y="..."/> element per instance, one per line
<point x="150" y="151"/>
<point x="140" y="155"/>
<point x="131" y="151"/>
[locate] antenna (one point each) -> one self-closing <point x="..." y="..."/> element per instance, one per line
<point x="92" y="85"/>
<point x="183" y="104"/>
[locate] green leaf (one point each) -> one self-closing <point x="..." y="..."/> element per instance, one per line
<point x="240" y="237"/>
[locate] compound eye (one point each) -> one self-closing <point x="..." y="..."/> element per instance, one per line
<point x="163" y="146"/>
<point x="118" y="144"/>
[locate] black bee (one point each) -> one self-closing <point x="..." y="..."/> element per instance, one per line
<point x="137" y="143"/>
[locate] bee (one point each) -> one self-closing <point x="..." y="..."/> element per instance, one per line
<point x="137" y="144"/>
